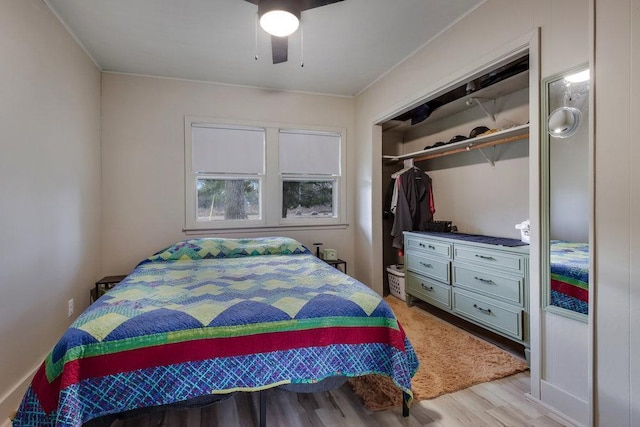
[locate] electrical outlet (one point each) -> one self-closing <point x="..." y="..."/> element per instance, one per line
<point x="70" y="308"/>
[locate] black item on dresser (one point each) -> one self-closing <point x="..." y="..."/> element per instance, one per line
<point x="438" y="226"/>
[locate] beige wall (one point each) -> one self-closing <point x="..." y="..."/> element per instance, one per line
<point x="49" y="187"/>
<point x="143" y="157"/>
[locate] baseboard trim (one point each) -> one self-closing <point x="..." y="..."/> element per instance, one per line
<point x="10" y="401"/>
<point x="565" y="405"/>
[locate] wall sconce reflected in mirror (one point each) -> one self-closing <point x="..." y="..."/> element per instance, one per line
<point x="564" y="121"/>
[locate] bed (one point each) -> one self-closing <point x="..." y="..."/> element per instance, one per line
<point x="570" y="276"/>
<point x="209" y="317"/>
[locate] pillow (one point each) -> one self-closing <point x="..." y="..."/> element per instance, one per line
<point x="206" y="248"/>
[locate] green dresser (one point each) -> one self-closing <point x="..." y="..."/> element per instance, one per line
<point x="486" y="284"/>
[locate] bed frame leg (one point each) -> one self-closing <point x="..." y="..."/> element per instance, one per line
<point x="405" y="406"/>
<point x="263" y="408"/>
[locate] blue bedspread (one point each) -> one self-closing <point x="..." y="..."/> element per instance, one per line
<point x="216" y="316"/>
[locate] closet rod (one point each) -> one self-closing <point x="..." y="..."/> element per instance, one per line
<point x="472" y="147"/>
<point x="515" y="133"/>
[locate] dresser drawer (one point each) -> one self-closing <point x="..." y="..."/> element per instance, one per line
<point x="500" y="317"/>
<point x="429" y="290"/>
<point x="429" y="246"/>
<point x="490" y="259"/>
<point x="436" y="268"/>
<point x="505" y="287"/>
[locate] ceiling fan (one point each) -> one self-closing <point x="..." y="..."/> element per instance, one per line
<point x="280" y="18"/>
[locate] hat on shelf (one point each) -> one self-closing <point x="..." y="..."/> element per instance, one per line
<point x="437" y="144"/>
<point x="457" y="138"/>
<point x="477" y="131"/>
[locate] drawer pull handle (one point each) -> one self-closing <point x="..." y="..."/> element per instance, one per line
<point x="483" y="310"/>
<point x="427" y="288"/>
<point x="490" y="258"/>
<point x="487" y="281"/>
<point x="421" y="245"/>
<point x="426" y="265"/>
<point x="432" y="247"/>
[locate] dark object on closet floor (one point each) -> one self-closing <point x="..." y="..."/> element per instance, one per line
<point x="438" y="226"/>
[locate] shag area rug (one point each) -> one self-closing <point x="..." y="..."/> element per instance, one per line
<point x="450" y="360"/>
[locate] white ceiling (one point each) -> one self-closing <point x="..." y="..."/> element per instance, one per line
<point x="347" y="45"/>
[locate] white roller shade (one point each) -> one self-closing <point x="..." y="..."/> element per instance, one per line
<point x="227" y="149"/>
<point x="309" y="153"/>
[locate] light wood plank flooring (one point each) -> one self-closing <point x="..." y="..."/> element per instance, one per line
<point x="497" y="403"/>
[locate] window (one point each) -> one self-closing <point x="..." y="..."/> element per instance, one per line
<point x="226" y="167"/>
<point x="240" y="175"/>
<point x="310" y="173"/>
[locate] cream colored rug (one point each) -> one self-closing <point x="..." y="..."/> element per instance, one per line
<point x="450" y="360"/>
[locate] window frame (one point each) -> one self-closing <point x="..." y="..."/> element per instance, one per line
<point x="271" y="182"/>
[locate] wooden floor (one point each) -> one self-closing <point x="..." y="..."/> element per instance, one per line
<point x="497" y="403"/>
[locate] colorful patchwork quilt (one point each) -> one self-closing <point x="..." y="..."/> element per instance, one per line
<point x="215" y="316"/>
<point x="570" y="276"/>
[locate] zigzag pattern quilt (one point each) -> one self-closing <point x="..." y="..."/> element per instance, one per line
<point x="570" y="276"/>
<point x="216" y="316"/>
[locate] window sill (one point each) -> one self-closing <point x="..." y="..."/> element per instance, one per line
<point x="269" y="229"/>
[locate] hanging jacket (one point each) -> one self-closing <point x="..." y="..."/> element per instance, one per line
<point x="414" y="205"/>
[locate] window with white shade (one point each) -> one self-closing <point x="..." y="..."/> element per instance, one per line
<point x="310" y="171"/>
<point x="226" y="169"/>
<point x="251" y="176"/>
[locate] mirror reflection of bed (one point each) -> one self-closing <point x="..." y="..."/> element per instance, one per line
<point x="569" y="279"/>
<point x="568" y="148"/>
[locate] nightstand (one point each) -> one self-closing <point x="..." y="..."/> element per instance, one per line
<point x="104" y="284"/>
<point x="336" y="262"/>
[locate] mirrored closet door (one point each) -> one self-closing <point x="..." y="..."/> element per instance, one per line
<point x="566" y="193"/>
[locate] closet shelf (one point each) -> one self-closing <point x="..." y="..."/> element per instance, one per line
<point x="484" y="141"/>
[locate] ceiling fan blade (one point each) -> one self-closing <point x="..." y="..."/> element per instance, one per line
<point x="311" y="4"/>
<point x="306" y="4"/>
<point x="279" y="49"/>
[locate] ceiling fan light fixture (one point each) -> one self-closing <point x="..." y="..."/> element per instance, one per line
<point x="279" y="18"/>
<point x="279" y="23"/>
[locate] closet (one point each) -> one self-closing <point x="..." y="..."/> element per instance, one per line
<point x="472" y="140"/>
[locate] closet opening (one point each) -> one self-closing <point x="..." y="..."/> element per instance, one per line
<point x="471" y="141"/>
